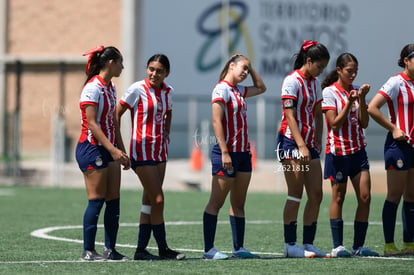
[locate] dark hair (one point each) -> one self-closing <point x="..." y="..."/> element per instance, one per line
<point x="163" y="59"/>
<point x="235" y="58"/>
<point x="406" y="52"/>
<point x="316" y="52"/>
<point x="98" y="59"/>
<point x="341" y="63"/>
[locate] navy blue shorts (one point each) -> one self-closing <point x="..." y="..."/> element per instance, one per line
<point x="339" y="168"/>
<point x="287" y="148"/>
<point x="242" y="161"/>
<point x="398" y="154"/>
<point x="91" y="156"/>
<point x="136" y="163"/>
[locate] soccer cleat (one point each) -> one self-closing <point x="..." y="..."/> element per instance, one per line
<point x="214" y="254"/>
<point x="169" y="254"/>
<point x="243" y="253"/>
<point x="364" y="252"/>
<point x="294" y="251"/>
<point x="113" y="255"/>
<point x="407" y="249"/>
<point x="318" y="253"/>
<point x="144" y="255"/>
<point x="340" y="252"/>
<point x="391" y="250"/>
<point x="91" y="255"/>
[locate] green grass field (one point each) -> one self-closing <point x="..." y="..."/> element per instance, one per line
<point x="59" y="211"/>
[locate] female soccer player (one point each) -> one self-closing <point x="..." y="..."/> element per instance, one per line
<point x="100" y="151"/>
<point x="150" y="103"/>
<point x="230" y="157"/>
<point x="398" y="93"/>
<point x="346" y="116"/>
<point x="299" y="146"/>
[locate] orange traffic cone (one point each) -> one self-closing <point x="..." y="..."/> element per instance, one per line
<point x="196" y="159"/>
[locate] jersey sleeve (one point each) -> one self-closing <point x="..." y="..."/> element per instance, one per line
<point x="290" y="88"/>
<point x="130" y="97"/>
<point x="390" y="89"/>
<point x="328" y="101"/>
<point x="220" y="93"/>
<point x="90" y="95"/>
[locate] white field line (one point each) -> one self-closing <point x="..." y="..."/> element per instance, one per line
<point x="44" y="233"/>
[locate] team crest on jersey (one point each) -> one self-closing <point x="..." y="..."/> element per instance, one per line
<point x="158" y="117"/>
<point x="98" y="161"/>
<point x="353" y="108"/>
<point x="339" y="176"/>
<point x="400" y="163"/>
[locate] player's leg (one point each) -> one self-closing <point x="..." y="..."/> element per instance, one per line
<point x="408" y="215"/>
<point x="95" y="182"/>
<point x="313" y="187"/>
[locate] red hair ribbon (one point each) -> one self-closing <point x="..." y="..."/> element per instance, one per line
<point x="91" y="52"/>
<point x="307" y="44"/>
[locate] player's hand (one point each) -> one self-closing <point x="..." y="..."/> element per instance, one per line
<point x="353" y="95"/>
<point x="363" y="90"/>
<point x="398" y="134"/>
<point x="304" y="154"/>
<point x="226" y="161"/>
<point x="121" y="157"/>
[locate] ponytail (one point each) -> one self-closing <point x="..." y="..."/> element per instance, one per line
<point x="97" y="59"/>
<point x="312" y="49"/>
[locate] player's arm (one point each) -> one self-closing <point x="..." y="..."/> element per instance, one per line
<point x="318" y="126"/>
<point x="336" y="120"/>
<point x="218" y="127"/>
<point x="363" y="115"/>
<point x="118" y="140"/>
<point x="374" y="110"/>
<point x="290" y="115"/>
<point x="258" y="85"/>
<point x="117" y="154"/>
<point x="168" y="117"/>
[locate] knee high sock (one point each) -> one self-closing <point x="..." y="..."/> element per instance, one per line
<point x="209" y="230"/>
<point x="111" y="222"/>
<point x="337" y="230"/>
<point x="389" y="216"/>
<point x="408" y="221"/>
<point x="237" y="229"/>
<point x="90" y="221"/>
<point x="144" y="236"/>
<point x="158" y="230"/>
<point x="360" y="232"/>
<point x="309" y="232"/>
<point x="290" y="232"/>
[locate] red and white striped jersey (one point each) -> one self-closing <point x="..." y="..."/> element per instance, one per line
<point x="148" y="108"/>
<point x="97" y="92"/>
<point x="234" y="119"/>
<point x="307" y="94"/>
<point x="350" y="138"/>
<point x="399" y="91"/>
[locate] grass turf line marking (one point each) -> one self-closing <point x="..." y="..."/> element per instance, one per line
<point x="43" y="233"/>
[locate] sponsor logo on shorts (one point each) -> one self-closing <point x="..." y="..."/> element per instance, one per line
<point x="98" y="161"/>
<point x="400" y="163"/>
<point x="339" y="175"/>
